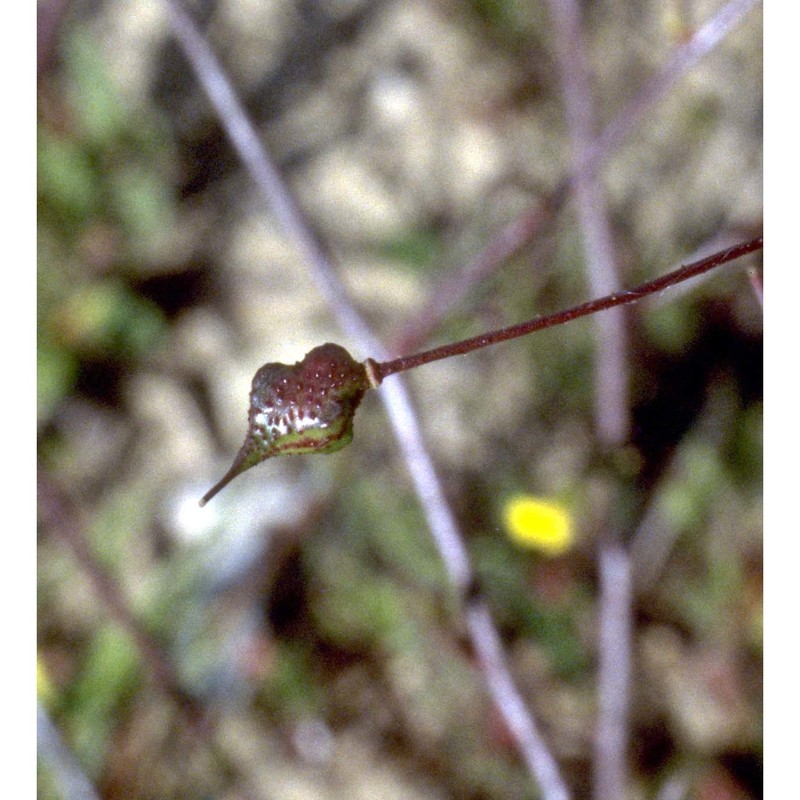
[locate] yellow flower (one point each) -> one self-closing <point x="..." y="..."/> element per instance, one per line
<point x="538" y="524"/>
<point x="45" y="691"/>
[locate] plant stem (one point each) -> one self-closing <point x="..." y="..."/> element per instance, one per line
<point x="439" y="516"/>
<point x="522" y="230"/>
<point x="381" y="370"/>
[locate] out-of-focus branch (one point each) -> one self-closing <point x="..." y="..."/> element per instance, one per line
<point x="610" y="352"/>
<point x="489" y="651"/>
<point x="58" y="515"/>
<point x="72" y="781"/>
<point x="611" y="409"/>
<point x="276" y="195"/>
<point x="686" y="56"/>
<point x="455" y="286"/>
<point x="395" y="397"/>
<point x="614" y="641"/>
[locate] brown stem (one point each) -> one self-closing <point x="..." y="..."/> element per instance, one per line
<point x="383" y="369"/>
<point x="523" y="229"/>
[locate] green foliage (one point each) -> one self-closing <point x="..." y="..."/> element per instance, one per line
<point x="747" y="447"/>
<point x="686" y="498"/>
<point x="516" y="20"/>
<point x="505" y="574"/>
<point x="292" y="690"/>
<point x="56" y="370"/>
<point x="108" y="677"/>
<point x="107" y="317"/>
<point x="68" y="183"/>
<point x="389" y="531"/>
<point x="673" y="327"/>
<point x="104" y="207"/>
<point x="418" y="250"/>
<point x="101" y="119"/>
<point x="356" y="608"/>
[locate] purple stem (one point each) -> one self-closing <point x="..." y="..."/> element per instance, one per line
<point x="439" y="516"/>
<point x="610" y="360"/>
<point x="655" y="286"/>
<point x="611" y="408"/>
<point x="455" y="287"/>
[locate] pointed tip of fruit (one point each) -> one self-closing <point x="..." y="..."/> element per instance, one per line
<point x="217" y="487"/>
<point x="307" y="407"/>
<point x="240" y="464"/>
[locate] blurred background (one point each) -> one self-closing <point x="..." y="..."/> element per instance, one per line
<point x="305" y="608"/>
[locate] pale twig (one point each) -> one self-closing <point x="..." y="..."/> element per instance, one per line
<point x="275" y="193"/>
<point x="611" y="410"/>
<point x="518" y="719"/>
<point x="60" y="761"/>
<point x="615" y="635"/>
<point x="610" y="356"/>
<point x="406" y="427"/>
<point x="686" y="56"/>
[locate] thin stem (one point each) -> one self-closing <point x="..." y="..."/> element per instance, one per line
<point x="611" y="412"/>
<point x="615" y="623"/>
<point x="489" y="651"/>
<point x="263" y="171"/>
<point x="56" y="755"/>
<point x="439" y="516"/>
<point x="522" y="230"/>
<point x="684" y="273"/>
<point x="611" y="407"/>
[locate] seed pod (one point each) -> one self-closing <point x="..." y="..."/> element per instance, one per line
<point x="304" y="408"/>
